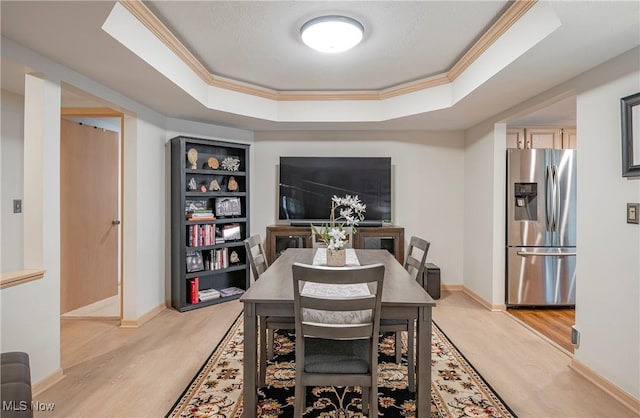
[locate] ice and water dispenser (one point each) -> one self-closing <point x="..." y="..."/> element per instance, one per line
<point x="525" y="201"/>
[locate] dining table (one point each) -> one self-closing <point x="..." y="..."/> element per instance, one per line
<point x="272" y="295"/>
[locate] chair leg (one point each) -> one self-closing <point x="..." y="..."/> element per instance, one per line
<point x="398" y="347"/>
<point x="270" y="342"/>
<point x="262" y="373"/>
<point x="300" y="401"/>
<point x="365" y="401"/>
<point x="373" y="403"/>
<point x="411" y="356"/>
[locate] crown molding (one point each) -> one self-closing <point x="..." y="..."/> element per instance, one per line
<point x="511" y="15"/>
<point x="90" y="112"/>
<point x="499" y="27"/>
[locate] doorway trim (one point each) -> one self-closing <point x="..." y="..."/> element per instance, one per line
<point x="111" y="113"/>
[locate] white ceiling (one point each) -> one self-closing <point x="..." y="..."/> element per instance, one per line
<point x="403" y="41"/>
<point x="257" y="42"/>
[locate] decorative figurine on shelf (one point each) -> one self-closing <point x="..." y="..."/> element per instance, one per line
<point x="232" y="185"/>
<point x="192" y="157"/>
<point x="213" y="163"/>
<point x="231" y="164"/>
<point x="192" y="184"/>
<point x="234" y="258"/>
<point x="203" y="188"/>
<point x="214" y="186"/>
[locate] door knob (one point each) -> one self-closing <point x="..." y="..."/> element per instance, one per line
<point x="115" y="222"/>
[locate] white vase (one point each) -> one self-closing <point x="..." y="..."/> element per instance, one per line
<point x="337" y="258"/>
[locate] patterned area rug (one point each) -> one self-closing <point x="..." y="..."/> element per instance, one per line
<point x="457" y="390"/>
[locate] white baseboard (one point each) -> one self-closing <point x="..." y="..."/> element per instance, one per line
<point x="473" y="295"/>
<point x="612" y="389"/>
<point x="452" y="287"/>
<point x="135" y="323"/>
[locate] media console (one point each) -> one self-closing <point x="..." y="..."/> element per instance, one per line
<point x="281" y="237"/>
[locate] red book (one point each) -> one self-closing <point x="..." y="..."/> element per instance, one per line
<point x="194" y="290"/>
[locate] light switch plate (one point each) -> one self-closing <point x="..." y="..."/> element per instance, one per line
<point x="17" y="206"/>
<point x="633" y="213"/>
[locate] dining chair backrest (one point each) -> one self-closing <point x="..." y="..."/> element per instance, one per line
<point x="256" y="255"/>
<point x="344" y="304"/>
<point x="317" y="243"/>
<point x="417" y="257"/>
<point x="337" y="319"/>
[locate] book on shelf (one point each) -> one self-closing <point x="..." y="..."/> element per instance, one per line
<point x="217" y="259"/>
<point x="219" y="237"/>
<point x="231" y="291"/>
<point x="200" y="235"/>
<point x="193" y="290"/>
<point x="208" y="294"/>
<point x="200" y="215"/>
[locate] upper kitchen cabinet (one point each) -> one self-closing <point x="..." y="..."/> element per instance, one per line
<point x="569" y="138"/>
<point x="515" y="138"/>
<point x="540" y="137"/>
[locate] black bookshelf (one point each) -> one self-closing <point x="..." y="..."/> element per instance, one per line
<point x="209" y="178"/>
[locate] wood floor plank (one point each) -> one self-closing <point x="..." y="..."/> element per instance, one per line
<point x="115" y="372"/>
<point x="552" y="323"/>
<point x="531" y="375"/>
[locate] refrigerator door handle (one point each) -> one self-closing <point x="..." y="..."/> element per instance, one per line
<point x="549" y="207"/>
<point x="540" y="254"/>
<point x="556" y="198"/>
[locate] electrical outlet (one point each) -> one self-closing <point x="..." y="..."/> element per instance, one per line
<point x="17" y="206"/>
<point x="575" y="336"/>
<point x="633" y="213"/>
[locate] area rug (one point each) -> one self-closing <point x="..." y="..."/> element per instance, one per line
<point x="457" y="390"/>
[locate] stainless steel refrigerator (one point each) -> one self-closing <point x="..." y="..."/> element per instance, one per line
<point x="541" y="227"/>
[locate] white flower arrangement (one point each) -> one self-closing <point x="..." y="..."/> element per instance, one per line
<point x="351" y="211"/>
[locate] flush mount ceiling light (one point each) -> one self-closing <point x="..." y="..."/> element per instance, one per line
<point x="332" y="34"/>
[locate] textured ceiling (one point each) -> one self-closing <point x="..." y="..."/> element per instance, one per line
<point x="397" y="48"/>
<point x="259" y="42"/>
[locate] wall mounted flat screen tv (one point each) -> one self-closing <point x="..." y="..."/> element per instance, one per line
<point x="308" y="183"/>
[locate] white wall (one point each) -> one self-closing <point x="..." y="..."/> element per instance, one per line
<point x="608" y="267"/>
<point x="11" y="150"/>
<point x="427" y="182"/>
<point x="481" y="248"/>
<point x="30" y="312"/>
<point x="608" y="262"/>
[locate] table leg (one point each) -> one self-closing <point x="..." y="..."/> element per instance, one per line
<point x="250" y="361"/>
<point x="423" y="358"/>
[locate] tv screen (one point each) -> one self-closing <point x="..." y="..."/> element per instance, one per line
<point x="308" y="183"/>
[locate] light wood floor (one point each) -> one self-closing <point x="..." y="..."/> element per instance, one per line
<point x="114" y="372"/>
<point x="108" y="308"/>
<point x="552" y="323"/>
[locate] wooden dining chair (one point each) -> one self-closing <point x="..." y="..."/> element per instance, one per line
<point x="415" y="264"/>
<point x="267" y="325"/>
<point x="337" y="336"/>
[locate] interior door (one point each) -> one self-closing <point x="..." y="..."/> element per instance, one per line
<point x="88" y="208"/>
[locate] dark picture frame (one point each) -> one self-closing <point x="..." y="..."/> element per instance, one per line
<point x="630" y="116"/>
<point x="194" y="261"/>
<point x="228" y="206"/>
